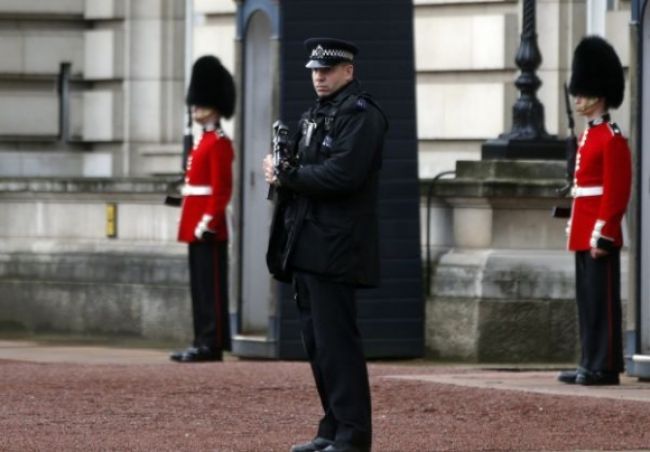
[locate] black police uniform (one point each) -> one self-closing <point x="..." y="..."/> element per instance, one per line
<point x="325" y="240"/>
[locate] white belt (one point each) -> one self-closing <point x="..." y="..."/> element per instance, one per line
<point x="578" y="192"/>
<point x="196" y="190"/>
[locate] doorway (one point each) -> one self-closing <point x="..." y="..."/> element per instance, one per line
<point x="256" y="296"/>
<point x="644" y="198"/>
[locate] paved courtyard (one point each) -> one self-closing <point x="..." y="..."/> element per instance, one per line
<point x="61" y="397"/>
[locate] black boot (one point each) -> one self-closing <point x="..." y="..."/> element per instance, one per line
<point x="197" y="354"/>
<point x="597" y="378"/>
<point x="315" y="445"/>
<point x="568" y="376"/>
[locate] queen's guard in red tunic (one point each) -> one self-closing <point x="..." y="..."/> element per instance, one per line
<point x="601" y="191"/>
<point x="206" y="192"/>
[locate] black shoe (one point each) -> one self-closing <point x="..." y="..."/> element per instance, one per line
<point x="315" y="445"/>
<point x="568" y="376"/>
<point x="196" y="355"/>
<point x="598" y="378"/>
<point x="345" y="448"/>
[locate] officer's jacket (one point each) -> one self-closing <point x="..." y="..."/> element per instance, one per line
<point x="208" y="186"/>
<point x="331" y="221"/>
<point x="602" y="184"/>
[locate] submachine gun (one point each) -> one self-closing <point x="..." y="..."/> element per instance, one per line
<point x="281" y="152"/>
<point x="571" y="152"/>
<point x="281" y="239"/>
<point x="174" y="198"/>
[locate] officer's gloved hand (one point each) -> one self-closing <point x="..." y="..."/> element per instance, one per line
<point x="285" y="168"/>
<point x="202" y="231"/>
<point x="287" y="165"/>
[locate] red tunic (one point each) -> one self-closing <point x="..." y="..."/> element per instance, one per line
<point x="208" y="186"/>
<point x="603" y="164"/>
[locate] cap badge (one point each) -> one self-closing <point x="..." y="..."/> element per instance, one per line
<point x="318" y="52"/>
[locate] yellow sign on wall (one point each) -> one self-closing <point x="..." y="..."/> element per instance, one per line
<point x="111" y="220"/>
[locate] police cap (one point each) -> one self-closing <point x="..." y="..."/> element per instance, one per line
<point x="328" y="52"/>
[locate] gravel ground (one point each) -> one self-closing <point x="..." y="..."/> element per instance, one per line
<point x="268" y="405"/>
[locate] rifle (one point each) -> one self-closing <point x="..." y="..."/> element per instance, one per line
<point x="571" y="150"/>
<point x="572" y="141"/>
<point x="280" y="152"/>
<point x="174" y="197"/>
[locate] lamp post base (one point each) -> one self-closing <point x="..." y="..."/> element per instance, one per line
<point x="538" y="149"/>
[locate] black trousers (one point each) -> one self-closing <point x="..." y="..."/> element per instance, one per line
<point x="598" y="293"/>
<point x="333" y="344"/>
<point x="209" y="289"/>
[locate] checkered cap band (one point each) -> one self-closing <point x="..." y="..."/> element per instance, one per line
<point x="319" y="53"/>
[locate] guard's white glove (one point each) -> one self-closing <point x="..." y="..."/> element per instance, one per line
<point x="202" y="226"/>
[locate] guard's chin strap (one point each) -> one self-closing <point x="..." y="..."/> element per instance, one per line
<point x="603" y="119"/>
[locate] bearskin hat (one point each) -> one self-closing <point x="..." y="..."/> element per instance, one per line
<point x="211" y="85"/>
<point x="597" y="71"/>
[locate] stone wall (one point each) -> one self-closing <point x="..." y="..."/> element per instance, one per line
<point x="501" y="291"/>
<point x="502" y="282"/>
<point x="114" y="293"/>
<point x="59" y="272"/>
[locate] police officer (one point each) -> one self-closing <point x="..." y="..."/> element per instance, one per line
<point x="324" y="237"/>
<point x="602" y="184"/>
<point x="206" y="193"/>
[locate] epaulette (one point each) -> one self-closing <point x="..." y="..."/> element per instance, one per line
<point x="614" y="128"/>
<point x="365" y="98"/>
<point x="359" y="102"/>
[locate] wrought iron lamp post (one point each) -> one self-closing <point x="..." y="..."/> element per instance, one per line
<point x="528" y="138"/>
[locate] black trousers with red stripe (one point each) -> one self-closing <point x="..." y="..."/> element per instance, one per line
<point x="598" y="293"/>
<point x="209" y="288"/>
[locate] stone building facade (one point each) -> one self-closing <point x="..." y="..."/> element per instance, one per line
<point x="93" y="113"/>
<point x="122" y="67"/>
<point x="128" y="61"/>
